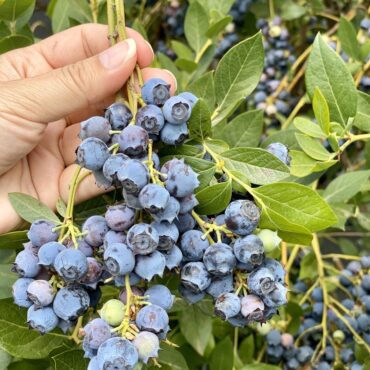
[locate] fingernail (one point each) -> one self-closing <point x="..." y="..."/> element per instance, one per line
<point x="116" y="55"/>
<point x="173" y="77"/>
<point x="150" y="48"/>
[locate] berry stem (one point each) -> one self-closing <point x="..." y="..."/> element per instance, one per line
<point x="94" y="10"/>
<point x="76" y="330"/>
<point x="341" y="256"/>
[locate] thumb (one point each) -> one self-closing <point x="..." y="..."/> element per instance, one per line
<point x="58" y="93"/>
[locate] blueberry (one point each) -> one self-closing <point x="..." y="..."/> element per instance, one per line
<point x="274" y="354"/>
<point x="242" y="216"/>
<point x="317" y="310"/>
<point x="71" y="302"/>
<point x="220" y="285"/>
<point x="189" y="295"/>
<point x="363" y="321"/>
<point x="97" y="127"/>
<point x="174" y="134"/>
<point x="173" y="257"/>
<point x="317" y="294"/>
<point x="150" y="118"/>
<point x="160" y="295"/>
<point x="287" y="340"/>
<point x="114" y="237"/>
<point x="41" y="232"/>
<point x="193" y="245"/>
<point x="131" y="200"/>
<point x="31" y="248"/>
<point x="345" y="278"/>
<point x="150" y="265"/>
<point x="155" y="91"/>
<point x="238" y="321"/>
<point x="168" y="234"/>
<point x="300" y="287"/>
<point x="276" y="268"/>
<point x="366" y="303"/>
<point x="191" y="98"/>
<point x="154" y="198"/>
<point x="120" y="217"/>
<point x="94" y="271"/>
<point x="181" y="180"/>
<point x="142" y="238"/>
<point x="329" y="353"/>
<point x="41" y="293"/>
<point x="261" y="281"/>
<point x="118" y="115"/>
<point x="348" y="303"/>
<point x="188" y="203"/>
<point x="84" y="247"/>
<point x="147" y="345"/>
<point x="26" y="264"/>
<point x="133" y="176"/>
<point x="48" y="252"/>
<point x="71" y="264"/>
<point x="113" y="312"/>
<point x="347" y="355"/>
<point x="252" y="307"/>
<point x="96" y="332"/>
<point x="270" y="239"/>
<point x="273" y="337"/>
<point x="119" y="280"/>
<point x="356" y="366"/>
<point x="96" y="227"/>
<point x="169" y="165"/>
<point x="280" y="151"/>
<point x="177" y="110"/>
<point x="134" y="290"/>
<point x="365" y="262"/>
<point x="277" y="297"/>
<point x="185" y="222"/>
<point x="292" y="364"/>
<point x="119" y="259"/>
<point x="92" y="154"/>
<point x="195" y="276"/>
<point x="112" y="165"/>
<point x="170" y="212"/>
<point x="227" y="305"/>
<point x="42" y="319"/>
<point x="354" y="267"/>
<point x="19" y="291"/>
<point x="249" y="249"/>
<point x="365" y="282"/>
<point x="117" y="354"/>
<point x="304" y="354"/>
<point x="219" y="259"/>
<point x="152" y="318"/>
<point x="133" y="140"/>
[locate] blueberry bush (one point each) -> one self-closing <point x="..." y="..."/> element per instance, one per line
<point x="234" y="234"/>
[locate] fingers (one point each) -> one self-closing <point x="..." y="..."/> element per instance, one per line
<point x="58" y="93"/>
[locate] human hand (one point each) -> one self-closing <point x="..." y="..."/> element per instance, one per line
<point x="45" y="91"/>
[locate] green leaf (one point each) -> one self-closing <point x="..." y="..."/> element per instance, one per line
<point x="321" y="111"/>
<point x="348" y="39"/>
<point x="196" y="327"/>
<point x="29" y="365"/>
<point x="186" y="65"/>
<point x="326" y="70"/>
<point x="216" y="145"/>
<point x="172" y="357"/>
<point x="286" y="137"/>
<point x="260" y="366"/>
<point x="302" y="165"/>
<point x="295" y="312"/>
<point x="204" y="89"/>
<point x="258" y="165"/>
<point x="214" y="199"/>
<point x="80" y="11"/>
<point x="61" y="207"/>
<point x="244" y="130"/>
<point x="73" y="359"/>
<point x="31" y="209"/>
<point x="10" y="40"/>
<point x="220" y="6"/>
<point x="291" y="10"/>
<point x="18" y="340"/>
<point x="237" y="75"/>
<point x="362" y="118"/>
<point x="200" y="121"/>
<point x="7" y="279"/>
<point x="182" y="150"/>
<point x="196" y="26"/>
<point x="295" y="238"/>
<point x="313" y="148"/>
<point x="346" y="186"/>
<point x="308" y="267"/>
<point x="215" y="28"/>
<point x="308" y="127"/>
<point x="343" y="212"/>
<point x="182" y="50"/>
<point x="246" y="349"/>
<point x="167" y="63"/>
<point x="13" y="240"/>
<point x="222" y="356"/>
<point x="10" y="10"/>
<point x="205" y="170"/>
<point x="61" y="15"/>
<point x="285" y="203"/>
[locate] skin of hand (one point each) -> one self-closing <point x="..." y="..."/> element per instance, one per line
<point x="46" y="90"/>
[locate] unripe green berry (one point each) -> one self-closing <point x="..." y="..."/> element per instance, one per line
<point x="264" y="329"/>
<point x="113" y="312"/>
<point x="270" y="239"/>
<point x="339" y="336"/>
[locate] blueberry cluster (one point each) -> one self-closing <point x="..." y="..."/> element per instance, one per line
<point x="354" y="307"/>
<point x="115" y="147"/>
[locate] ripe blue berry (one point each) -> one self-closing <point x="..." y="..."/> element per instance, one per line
<point x="177" y="110"/>
<point x="249" y="249"/>
<point x="152" y="318"/>
<point x="227" y="305"/>
<point x="42" y="319"/>
<point x="188" y="203"/>
<point x="168" y="234"/>
<point x="173" y="257"/>
<point x="133" y="176"/>
<point x="32" y="248"/>
<point x="317" y="294"/>
<point x="71" y="302"/>
<point x="19" y="291"/>
<point x="113" y="312"/>
<point x="41" y="293"/>
<point x="93" y="364"/>
<point x="273" y="337"/>
<point x="193" y="245"/>
<point x="96" y="332"/>
<point x="120" y="217"/>
<point x="276" y="268"/>
<point x="147" y="345"/>
<point x="220" y="285"/>
<point x="84" y="247"/>
<point x="154" y="198"/>
<point x="365" y="262"/>
<point x="96" y="228"/>
<point x="277" y="297"/>
<point x="150" y="265"/>
<point x="118" y="115"/>
<point x="252" y="307"/>
<point x="280" y="151"/>
<point x="135" y="291"/>
<point x="170" y="213"/>
<point x="92" y="154"/>
<point x="112" y="165"/>
<point x="94" y="271"/>
<point x="48" y="252"/>
<point x="26" y="264"/>
<point x="174" y="134"/>
<point x="242" y="216"/>
<point x="119" y="259"/>
<point x="195" y="277"/>
<point x="190" y="296"/>
<point x="41" y="232"/>
<point x="191" y="98"/>
<point x="98" y="127"/>
<point x="185" y="222"/>
<point x="71" y="264"/>
<point x="114" y="237"/>
<point x="304" y="354"/>
<point x="181" y="180"/>
<point x="142" y="238"/>
<point x="161" y="296"/>
<point x="150" y="118"/>
<point x="155" y="91"/>
<point x="261" y="281"/>
<point x="219" y="259"/>
<point x="133" y="140"/>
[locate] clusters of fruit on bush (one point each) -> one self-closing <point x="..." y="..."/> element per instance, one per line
<point x="154" y="229"/>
